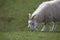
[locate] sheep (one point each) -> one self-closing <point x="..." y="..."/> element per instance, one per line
<point x="47" y="12"/>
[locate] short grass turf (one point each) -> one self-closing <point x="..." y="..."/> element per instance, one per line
<point x="29" y="36"/>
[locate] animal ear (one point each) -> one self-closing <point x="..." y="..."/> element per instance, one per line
<point x="29" y="15"/>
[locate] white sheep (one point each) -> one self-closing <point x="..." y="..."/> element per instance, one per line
<point x="46" y="13"/>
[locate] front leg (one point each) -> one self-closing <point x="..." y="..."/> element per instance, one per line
<point x="53" y="27"/>
<point x="43" y="29"/>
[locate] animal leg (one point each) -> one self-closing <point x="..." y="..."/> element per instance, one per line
<point x="53" y="27"/>
<point x="43" y="29"/>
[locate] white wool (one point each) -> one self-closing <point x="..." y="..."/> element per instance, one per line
<point x="41" y="6"/>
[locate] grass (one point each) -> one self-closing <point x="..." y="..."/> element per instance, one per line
<point x="13" y="21"/>
<point x="18" y="10"/>
<point x="30" y="36"/>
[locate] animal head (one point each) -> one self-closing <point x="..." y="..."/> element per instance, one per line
<point x="32" y="24"/>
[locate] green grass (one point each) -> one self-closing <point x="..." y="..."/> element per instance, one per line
<point x="17" y="11"/>
<point x="30" y="36"/>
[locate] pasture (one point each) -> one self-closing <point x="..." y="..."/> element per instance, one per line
<point x="13" y="21"/>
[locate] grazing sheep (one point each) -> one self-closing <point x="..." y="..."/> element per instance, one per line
<point x="46" y="13"/>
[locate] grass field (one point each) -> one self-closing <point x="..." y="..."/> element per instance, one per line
<point x="18" y="10"/>
<point x="13" y="21"/>
<point x="29" y="35"/>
